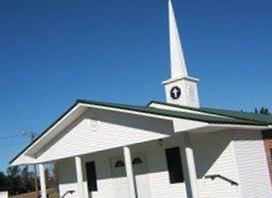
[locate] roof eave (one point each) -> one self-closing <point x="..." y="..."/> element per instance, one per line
<point x="244" y="127"/>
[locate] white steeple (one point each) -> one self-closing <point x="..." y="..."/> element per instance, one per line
<point x="180" y="89"/>
<point x="178" y="65"/>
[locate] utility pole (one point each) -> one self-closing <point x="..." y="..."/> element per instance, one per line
<point x="32" y="136"/>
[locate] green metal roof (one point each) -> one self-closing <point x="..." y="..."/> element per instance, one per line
<point x="241" y="115"/>
<point x="245" y="116"/>
<point x="230" y="117"/>
<point x="177" y="114"/>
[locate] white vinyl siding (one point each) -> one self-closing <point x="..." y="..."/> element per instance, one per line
<point x="252" y="165"/>
<point x="213" y="154"/>
<point x="98" y="131"/>
<point x="67" y="177"/>
<point x="159" y="177"/>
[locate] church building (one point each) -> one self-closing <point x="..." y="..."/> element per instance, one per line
<point x="171" y="149"/>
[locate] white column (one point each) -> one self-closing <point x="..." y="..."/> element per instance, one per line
<point x="42" y="181"/>
<point x="191" y="168"/>
<point x="129" y="171"/>
<point x="79" y="174"/>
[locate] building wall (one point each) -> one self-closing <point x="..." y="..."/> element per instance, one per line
<point x="267" y="137"/>
<point x="158" y="174"/>
<point x="214" y="155"/>
<point x="67" y="177"/>
<point x="211" y="158"/>
<point x="252" y="165"/>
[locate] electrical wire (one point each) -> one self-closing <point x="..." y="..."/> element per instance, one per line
<point x="10" y="137"/>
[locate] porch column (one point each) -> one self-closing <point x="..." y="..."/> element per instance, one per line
<point x="129" y="171"/>
<point x="79" y="174"/>
<point x="42" y="181"/>
<point x="191" y="168"/>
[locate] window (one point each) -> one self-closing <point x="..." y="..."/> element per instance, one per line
<point x="174" y="165"/>
<point x="91" y="176"/>
<point x="119" y="164"/>
<point x="137" y="161"/>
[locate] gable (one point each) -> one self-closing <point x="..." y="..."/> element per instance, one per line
<point x="98" y="130"/>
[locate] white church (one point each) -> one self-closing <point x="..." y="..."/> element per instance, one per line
<point x="172" y="149"/>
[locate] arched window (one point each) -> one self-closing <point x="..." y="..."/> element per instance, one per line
<point x="137" y="161"/>
<point x="119" y="164"/>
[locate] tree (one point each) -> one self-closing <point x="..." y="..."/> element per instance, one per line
<point x="263" y="110"/>
<point x="13" y="171"/>
<point x="13" y="180"/>
<point x="53" y="179"/>
<point x="3" y="182"/>
<point x="26" y="180"/>
<point x="18" y="180"/>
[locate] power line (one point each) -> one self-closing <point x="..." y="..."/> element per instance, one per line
<point x="10" y="137"/>
<point x="31" y="135"/>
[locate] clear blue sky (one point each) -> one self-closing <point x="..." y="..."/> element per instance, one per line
<point x="53" y="52"/>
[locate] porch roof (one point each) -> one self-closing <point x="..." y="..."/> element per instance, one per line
<point x="211" y="116"/>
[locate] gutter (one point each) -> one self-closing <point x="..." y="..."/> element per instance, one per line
<point x="244" y="127"/>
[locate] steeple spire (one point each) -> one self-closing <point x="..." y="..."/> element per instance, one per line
<point x="178" y="65"/>
<point x="180" y="89"/>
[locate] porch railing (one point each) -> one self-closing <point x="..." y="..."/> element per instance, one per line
<point x="212" y="177"/>
<point x="67" y="193"/>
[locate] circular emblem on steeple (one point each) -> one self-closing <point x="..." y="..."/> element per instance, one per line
<point x="175" y="93"/>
